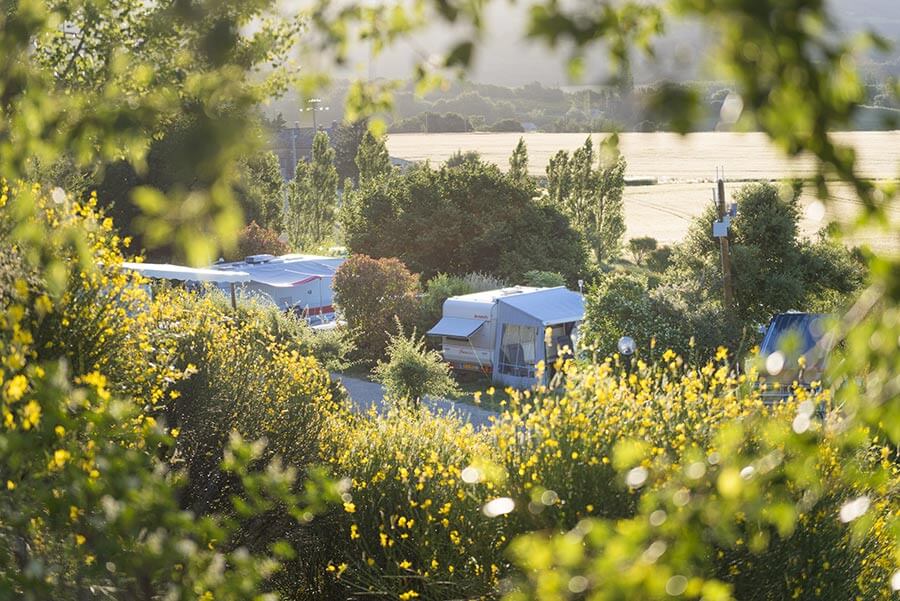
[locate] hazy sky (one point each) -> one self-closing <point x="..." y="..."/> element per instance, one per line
<point x="504" y="58"/>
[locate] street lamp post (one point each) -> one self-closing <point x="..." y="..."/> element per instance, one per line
<point x="314" y="107"/>
<point x="627" y="347"/>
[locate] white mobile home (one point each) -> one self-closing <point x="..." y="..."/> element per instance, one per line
<point x="503" y="332"/>
<point x="300" y="283"/>
<point x="468" y="328"/>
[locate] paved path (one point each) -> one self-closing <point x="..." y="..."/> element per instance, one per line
<point x="365" y="394"/>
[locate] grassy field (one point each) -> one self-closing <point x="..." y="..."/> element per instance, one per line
<point x="684" y="166"/>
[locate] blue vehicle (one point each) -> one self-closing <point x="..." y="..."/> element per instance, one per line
<point x="794" y="351"/>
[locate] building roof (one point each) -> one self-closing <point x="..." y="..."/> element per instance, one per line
<point x="548" y="305"/>
<point x="166" y="271"/>
<point x="284" y="271"/>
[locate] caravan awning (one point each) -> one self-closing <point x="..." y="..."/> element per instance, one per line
<point x="456" y="327"/>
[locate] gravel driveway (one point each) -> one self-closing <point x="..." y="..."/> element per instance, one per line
<point x="365" y="394"/>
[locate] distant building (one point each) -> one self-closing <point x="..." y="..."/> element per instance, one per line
<point x="295" y="282"/>
<point x="291" y="144"/>
<point x="401" y="164"/>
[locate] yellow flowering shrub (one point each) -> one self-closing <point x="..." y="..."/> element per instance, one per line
<point x="558" y="447"/>
<point x="87" y="368"/>
<point x="781" y="497"/>
<point x="239" y="378"/>
<point x="594" y="457"/>
<point x="412" y="524"/>
<point x="99" y="322"/>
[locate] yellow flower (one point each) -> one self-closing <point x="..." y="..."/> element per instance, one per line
<point x="32" y="415"/>
<point x="349" y="507"/>
<point x="60" y="456"/>
<point x="354" y="532"/>
<point x="408" y="595"/>
<point x="404" y="565"/>
<point x="15" y="388"/>
<point x="79" y="539"/>
<point x="10" y="485"/>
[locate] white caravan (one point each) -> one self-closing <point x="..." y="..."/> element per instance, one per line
<point x="468" y="328"/>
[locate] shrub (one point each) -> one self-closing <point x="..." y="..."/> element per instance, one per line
<point x="507" y="125"/>
<point x="412" y="371"/>
<point x="658" y="259"/>
<point x="623" y="305"/>
<point x="481" y="282"/>
<point x="256" y="240"/>
<point x="372" y="294"/>
<point x="641" y="249"/>
<point x="92" y="499"/>
<point x="437" y="290"/>
<point x="543" y="279"/>
<point x="412" y="523"/>
<point x="719" y="501"/>
<point x="559" y="451"/>
<point x="247" y="376"/>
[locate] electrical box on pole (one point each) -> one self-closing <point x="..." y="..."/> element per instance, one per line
<point x="725" y="219"/>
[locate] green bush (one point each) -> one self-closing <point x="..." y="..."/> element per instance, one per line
<point x="624" y="305"/>
<point x="543" y="279"/>
<point x="658" y="259"/>
<point x="413" y="372"/>
<point x="437" y="290"/>
<point x="641" y="249"/>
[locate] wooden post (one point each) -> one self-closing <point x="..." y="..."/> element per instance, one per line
<point x="727" y="283"/>
<point x="233" y="297"/>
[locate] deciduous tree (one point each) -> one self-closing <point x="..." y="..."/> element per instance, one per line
<point x="372" y="294"/>
<point x="591" y="196"/>
<point x="467" y="218"/>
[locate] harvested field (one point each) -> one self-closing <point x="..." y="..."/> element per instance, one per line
<point x="684" y="167"/>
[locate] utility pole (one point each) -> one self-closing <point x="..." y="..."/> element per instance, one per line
<point x="727" y="281"/>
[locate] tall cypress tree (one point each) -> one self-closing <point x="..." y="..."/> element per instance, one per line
<point x="372" y="158"/>
<point x="518" y="162"/>
<point x="591" y="196"/>
<point x="312" y="198"/>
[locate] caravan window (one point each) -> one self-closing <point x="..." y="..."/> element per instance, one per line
<point x="517" y="351"/>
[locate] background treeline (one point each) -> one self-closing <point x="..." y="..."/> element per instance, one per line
<point x="467" y="106"/>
